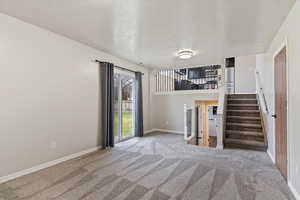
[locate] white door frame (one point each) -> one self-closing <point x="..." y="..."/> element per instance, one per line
<point x="282" y="45"/>
<point x="120" y="110"/>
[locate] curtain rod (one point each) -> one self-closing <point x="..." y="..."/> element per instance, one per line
<point x="122" y="68"/>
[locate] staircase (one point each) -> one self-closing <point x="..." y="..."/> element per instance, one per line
<point x="244" y="128"/>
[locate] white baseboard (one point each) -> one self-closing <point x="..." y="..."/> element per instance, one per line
<point x="149" y="131"/>
<point x="292" y="188"/>
<point x="45" y="165"/>
<point x="169" y="131"/>
<point x="163" y="130"/>
<point x="271" y="156"/>
<point x="294" y="191"/>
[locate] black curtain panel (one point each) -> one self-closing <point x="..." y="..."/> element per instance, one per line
<point x="107" y="104"/>
<point x="139" y="127"/>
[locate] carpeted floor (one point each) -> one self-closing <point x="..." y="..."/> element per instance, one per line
<point x="156" y="167"/>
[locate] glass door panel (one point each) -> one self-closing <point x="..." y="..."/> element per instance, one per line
<point x="127" y="107"/>
<point x="116" y="106"/>
<point x="124" y="106"/>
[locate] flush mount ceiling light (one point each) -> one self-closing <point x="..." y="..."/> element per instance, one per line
<point x="185" y="54"/>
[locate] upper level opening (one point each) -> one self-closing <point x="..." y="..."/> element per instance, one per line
<point x="193" y="79"/>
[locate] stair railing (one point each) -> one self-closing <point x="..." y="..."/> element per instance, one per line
<point x="262" y="103"/>
<point x="261" y="94"/>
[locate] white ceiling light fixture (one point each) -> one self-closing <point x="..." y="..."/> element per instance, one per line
<point x="185" y="54"/>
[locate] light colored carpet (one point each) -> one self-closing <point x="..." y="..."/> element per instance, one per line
<point x="156" y="167"/>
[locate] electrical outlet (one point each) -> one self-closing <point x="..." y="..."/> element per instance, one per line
<point x="167" y="123"/>
<point x="53" y="145"/>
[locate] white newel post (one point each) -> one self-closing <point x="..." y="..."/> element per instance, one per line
<point x="189" y="123"/>
<point x="185" y="120"/>
<point x="220" y="132"/>
<point x="220" y="113"/>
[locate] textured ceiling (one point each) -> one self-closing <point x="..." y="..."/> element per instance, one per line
<point x="152" y="31"/>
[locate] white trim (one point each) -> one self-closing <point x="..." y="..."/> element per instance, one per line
<point x="283" y="44"/>
<point x="163" y="130"/>
<point x="124" y="72"/>
<point x="169" y="131"/>
<point x="254" y="92"/>
<point x="149" y="131"/>
<point x="183" y="92"/>
<point x="271" y="156"/>
<point x="186" y="137"/>
<point x="294" y="191"/>
<point x="46" y="165"/>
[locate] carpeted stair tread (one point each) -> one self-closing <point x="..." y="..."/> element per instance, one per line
<point x="241" y="97"/>
<point x="243" y="117"/>
<point x="241" y="105"/>
<point x="244" y="125"/>
<point x="245" y="133"/>
<point x="245" y="142"/>
<point x="252" y="111"/>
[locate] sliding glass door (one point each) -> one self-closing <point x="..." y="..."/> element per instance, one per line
<point x="124" y="105"/>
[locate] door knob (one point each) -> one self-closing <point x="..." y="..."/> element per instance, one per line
<point x="274" y="116"/>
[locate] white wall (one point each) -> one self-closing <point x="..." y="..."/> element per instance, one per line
<point x="244" y="74"/>
<point x="49" y="93"/>
<point x="266" y="78"/>
<point x="290" y="30"/>
<point x="168" y="110"/>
